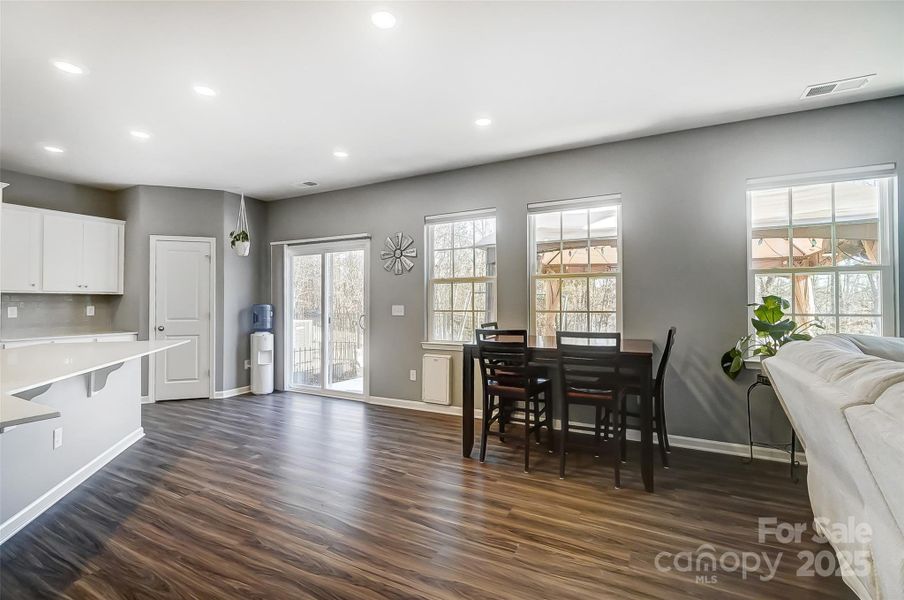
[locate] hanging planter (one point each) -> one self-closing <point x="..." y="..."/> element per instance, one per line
<point x="239" y="239"/>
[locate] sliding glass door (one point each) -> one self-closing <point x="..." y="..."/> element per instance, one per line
<point x="326" y="317"/>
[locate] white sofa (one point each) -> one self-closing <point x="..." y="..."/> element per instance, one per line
<point x="844" y="395"/>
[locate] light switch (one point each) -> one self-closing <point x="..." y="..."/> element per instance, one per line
<point x="12" y="312"/>
<point x="57" y="437"/>
<point x="398" y="310"/>
<point x="89" y="310"/>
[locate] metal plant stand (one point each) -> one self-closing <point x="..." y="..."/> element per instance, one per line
<point x="791" y="448"/>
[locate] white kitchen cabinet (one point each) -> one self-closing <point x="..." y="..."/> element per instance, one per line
<point x="20" y="255"/>
<point x="46" y="251"/>
<point x="63" y="240"/>
<point x="101" y="256"/>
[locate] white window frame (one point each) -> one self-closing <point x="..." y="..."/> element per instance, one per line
<point x="429" y="223"/>
<point x="591" y="202"/>
<point x="887" y="232"/>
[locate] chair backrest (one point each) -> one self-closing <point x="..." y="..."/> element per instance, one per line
<point x="504" y="361"/>
<point x="490" y="325"/>
<point x="664" y="361"/>
<point x="586" y="362"/>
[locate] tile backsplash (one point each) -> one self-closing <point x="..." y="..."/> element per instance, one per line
<point x="47" y="311"/>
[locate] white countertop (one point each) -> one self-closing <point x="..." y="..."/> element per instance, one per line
<point x="16" y="411"/>
<point x="56" y="333"/>
<point x="30" y="367"/>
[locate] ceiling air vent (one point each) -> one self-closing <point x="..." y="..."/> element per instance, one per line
<point x="836" y="87"/>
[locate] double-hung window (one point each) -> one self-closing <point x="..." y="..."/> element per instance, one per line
<point x="461" y="274"/>
<point x="575" y="265"/>
<point x="824" y="243"/>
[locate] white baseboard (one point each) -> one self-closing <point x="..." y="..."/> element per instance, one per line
<point x="415" y="405"/>
<point x="679" y="441"/>
<point x="220" y="395"/>
<point x="773" y="454"/>
<point x="52" y="496"/>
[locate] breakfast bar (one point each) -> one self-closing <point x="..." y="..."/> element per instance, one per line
<point x="90" y="391"/>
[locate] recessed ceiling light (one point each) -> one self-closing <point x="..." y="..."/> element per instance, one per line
<point x="340" y="153"/>
<point x="54" y="149"/>
<point x="68" y="67"/>
<point x="383" y="19"/>
<point x="141" y="135"/>
<point x="203" y="90"/>
<point x="483" y="122"/>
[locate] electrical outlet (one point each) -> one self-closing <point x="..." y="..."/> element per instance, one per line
<point x="398" y="310"/>
<point x="12" y="312"/>
<point x="57" y="437"/>
<point x="412" y="374"/>
<point x="89" y="310"/>
<point x="247" y="364"/>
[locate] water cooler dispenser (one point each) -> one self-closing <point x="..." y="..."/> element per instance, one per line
<point x="262" y="349"/>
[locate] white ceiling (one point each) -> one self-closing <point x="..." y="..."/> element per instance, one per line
<point x="298" y="80"/>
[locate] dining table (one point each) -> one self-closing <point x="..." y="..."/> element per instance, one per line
<point x="635" y="354"/>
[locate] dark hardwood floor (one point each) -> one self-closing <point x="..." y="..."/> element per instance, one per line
<point x="290" y="496"/>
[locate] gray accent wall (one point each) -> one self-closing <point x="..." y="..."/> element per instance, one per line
<point x="684" y="240"/>
<point x="242" y="287"/>
<point x="153" y="210"/>
<point x="40" y="192"/>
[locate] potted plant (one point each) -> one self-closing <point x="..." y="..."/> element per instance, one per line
<point x="772" y="331"/>
<point x="240" y="242"/>
<point x="239" y="238"/>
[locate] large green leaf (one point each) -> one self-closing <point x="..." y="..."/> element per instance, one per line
<point x="776" y="302"/>
<point x="769" y="314"/>
<point x="732" y="362"/>
<point x="781" y="329"/>
<point x="761" y="326"/>
<point x="800" y="337"/>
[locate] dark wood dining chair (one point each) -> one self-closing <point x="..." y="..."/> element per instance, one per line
<point x="658" y="386"/>
<point x="509" y="379"/>
<point x="590" y="375"/>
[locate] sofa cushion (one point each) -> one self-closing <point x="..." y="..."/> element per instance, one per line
<point x="839" y="360"/>
<point x="888" y="348"/>
<point x="879" y="431"/>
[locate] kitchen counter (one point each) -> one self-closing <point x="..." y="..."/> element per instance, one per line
<point x="16" y="411"/>
<point x="55" y="333"/>
<point x="79" y="406"/>
<point x="30" y="367"/>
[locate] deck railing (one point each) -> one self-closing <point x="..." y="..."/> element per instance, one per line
<point x="346" y="338"/>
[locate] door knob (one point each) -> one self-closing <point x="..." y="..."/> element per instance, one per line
<point x="160" y="328"/>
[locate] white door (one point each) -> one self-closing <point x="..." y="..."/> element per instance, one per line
<point x="63" y="251"/>
<point x="326" y="317"/>
<point x="100" y="265"/>
<point x="21" y="250"/>
<point x="182" y="311"/>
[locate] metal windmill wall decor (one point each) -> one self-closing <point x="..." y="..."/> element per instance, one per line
<point x="398" y="252"/>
